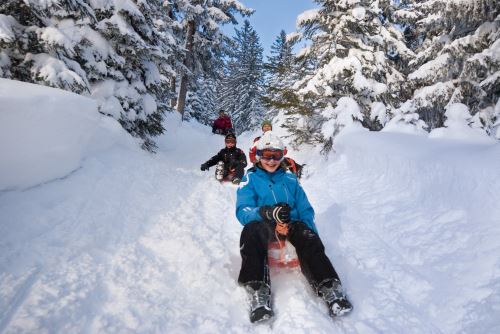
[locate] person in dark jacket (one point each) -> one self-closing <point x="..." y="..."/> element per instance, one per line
<point x="222" y="125"/>
<point x="271" y="203"/>
<point x="233" y="159"/>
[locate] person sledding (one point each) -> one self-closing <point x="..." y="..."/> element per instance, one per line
<point x="271" y="203"/>
<point x="266" y="125"/>
<point x="222" y="125"/>
<point x="288" y="163"/>
<point x="231" y="161"/>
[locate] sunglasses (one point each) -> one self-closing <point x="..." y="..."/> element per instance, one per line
<point x="271" y="155"/>
<point x="230" y="141"/>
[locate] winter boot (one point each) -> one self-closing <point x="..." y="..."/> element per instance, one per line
<point x="219" y="171"/>
<point x="332" y="293"/>
<point x="259" y="294"/>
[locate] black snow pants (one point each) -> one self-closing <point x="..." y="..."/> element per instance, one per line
<point x="239" y="170"/>
<point x="254" y="241"/>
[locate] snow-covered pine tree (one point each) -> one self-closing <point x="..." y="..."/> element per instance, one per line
<point x="282" y="70"/>
<point x="459" y="59"/>
<point x="202" y="97"/>
<point x="202" y="101"/>
<point x="142" y="35"/>
<point x="39" y="41"/>
<point x="405" y="119"/>
<point x="358" y="52"/>
<point x="346" y="116"/>
<point x="279" y="70"/>
<point x="201" y="20"/>
<point x="120" y="52"/>
<point x="242" y="86"/>
<point x="459" y="124"/>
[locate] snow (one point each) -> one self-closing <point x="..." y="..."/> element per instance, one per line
<point x="431" y="68"/>
<point x="56" y="72"/>
<point x="345" y="117"/>
<point x="457" y="126"/>
<point x="336" y="69"/>
<point x="149" y="104"/>
<point x="359" y="13"/>
<point x="132" y="242"/>
<point x="6" y="24"/>
<point x="306" y="17"/>
<point x="46" y="133"/>
<point x="68" y="36"/>
<point x="378" y="112"/>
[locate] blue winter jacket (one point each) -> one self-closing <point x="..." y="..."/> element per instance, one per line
<point x="258" y="188"/>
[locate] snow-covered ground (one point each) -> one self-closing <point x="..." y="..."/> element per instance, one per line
<point x="121" y="241"/>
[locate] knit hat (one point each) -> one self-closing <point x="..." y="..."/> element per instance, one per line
<point x="266" y="122"/>
<point x="230" y="136"/>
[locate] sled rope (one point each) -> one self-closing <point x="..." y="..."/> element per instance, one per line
<point x="281" y="229"/>
<point x="282" y="247"/>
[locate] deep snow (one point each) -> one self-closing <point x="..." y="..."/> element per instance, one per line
<point x="128" y="242"/>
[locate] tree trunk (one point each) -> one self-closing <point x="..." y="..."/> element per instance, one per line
<point x="181" y="101"/>
<point x="173" y="101"/>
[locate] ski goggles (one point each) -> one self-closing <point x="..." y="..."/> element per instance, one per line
<point x="268" y="154"/>
<point x="230" y="141"/>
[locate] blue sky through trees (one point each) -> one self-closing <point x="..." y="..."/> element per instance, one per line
<point x="271" y="16"/>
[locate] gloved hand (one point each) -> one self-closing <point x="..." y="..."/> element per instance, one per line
<point x="279" y="213"/>
<point x="233" y="165"/>
<point x="204" y="167"/>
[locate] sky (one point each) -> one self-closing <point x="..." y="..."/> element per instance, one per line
<point x="102" y="237"/>
<point x="271" y="16"/>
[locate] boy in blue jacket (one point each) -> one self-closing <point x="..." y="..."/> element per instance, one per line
<point x="271" y="200"/>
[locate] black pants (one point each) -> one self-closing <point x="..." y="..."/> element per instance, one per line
<point x="254" y="241"/>
<point x="239" y="170"/>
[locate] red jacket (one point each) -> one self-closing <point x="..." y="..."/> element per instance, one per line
<point x="253" y="150"/>
<point x="223" y="123"/>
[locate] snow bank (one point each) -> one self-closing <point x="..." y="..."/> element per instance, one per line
<point x="45" y="133"/>
<point x="412" y="226"/>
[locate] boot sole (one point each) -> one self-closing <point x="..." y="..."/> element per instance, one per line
<point x="268" y="314"/>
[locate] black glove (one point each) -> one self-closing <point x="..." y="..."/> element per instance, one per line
<point x="204" y="167"/>
<point x="279" y="213"/>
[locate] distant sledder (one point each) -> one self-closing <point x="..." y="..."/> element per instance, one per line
<point x="288" y="163"/>
<point x="222" y="125"/>
<point x="271" y="204"/>
<point x="231" y="162"/>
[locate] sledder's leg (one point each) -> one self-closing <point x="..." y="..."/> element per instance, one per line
<point x="254" y="273"/>
<point x="253" y="249"/>
<point x="313" y="261"/>
<point x="318" y="269"/>
<point x="239" y="171"/>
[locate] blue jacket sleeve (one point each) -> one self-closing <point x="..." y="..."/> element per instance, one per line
<point x="304" y="208"/>
<point x="246" y="201"/>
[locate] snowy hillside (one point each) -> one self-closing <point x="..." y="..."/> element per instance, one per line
<point x="121" y="241"/>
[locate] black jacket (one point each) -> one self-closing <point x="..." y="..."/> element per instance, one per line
<point x="232" y="157"/>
